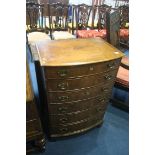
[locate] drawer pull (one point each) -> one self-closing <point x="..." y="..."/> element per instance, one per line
<point x="64" y="120"/>
<point x="62" y="109"/>
<point x="111" y="66"/>
<point x="63" y="86"/>
<point x="63" y="98"/>
<point x="64" y="129"/>
<point x="104" y="89"/>
<point x="62" y="73"/>
<point x="108" y="77"/>
<point x="91" y="68"/>
<point x="101" y="99"/>
<point x="99" y="109"/>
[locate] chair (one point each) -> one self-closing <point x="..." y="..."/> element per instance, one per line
<point x="58" y="21"/>
<point x="35" y="28"/>
<point x="120" y="97"/>
<point x="101" y="31"/>
<point x="80" y="17"/>
<point x="124" y="25"/>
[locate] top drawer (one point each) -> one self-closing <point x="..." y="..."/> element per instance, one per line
<point x="80" y="70"/>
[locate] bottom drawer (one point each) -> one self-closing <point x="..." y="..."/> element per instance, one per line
<point x="77" y="116"/>
<point x="32" y="127"/>
<point x="84" y="125"/>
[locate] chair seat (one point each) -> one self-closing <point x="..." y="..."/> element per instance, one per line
<point x="37" y="36"/>
<point x="124" y="33"/>
<point x="57" y="35"/>
<point x="123" y="77"/>
<point x="91" y="33"/>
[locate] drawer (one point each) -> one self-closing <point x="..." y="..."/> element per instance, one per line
<point x="80" y="70"/>
<point x="32" y="126"/>
<point x="76" y="116"/>
<point x="62" y="130"/>
<point x="30" y="110"/>
<point x="68" y="96"/>
<point x="62" y="108"/>
<point x="78" y="83"/>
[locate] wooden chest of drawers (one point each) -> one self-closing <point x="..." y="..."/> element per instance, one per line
<point x="78" y="77"/>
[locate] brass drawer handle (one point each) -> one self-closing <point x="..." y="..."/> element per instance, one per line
<point x="63" y="120"/>
<point x="63" y="109"/>
<point x="63" y="98"/>
<point x="63" y="86"/>
<point x="64" y="129"/>
<point x="104" y="89"/>
<point x="108" y="77"/>
<point x="62" y="73"/>
<point x="91" y="68"/>
<point x="101" y="99"/>
<point x="99" y="109"/>
<point x="111" y="66"/>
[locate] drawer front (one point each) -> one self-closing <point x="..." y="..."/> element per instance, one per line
<point x="61" y="130"/>
<point x="78" y="83"/>
<point x="76" y="116"/>
<point x="80" y="70"/>
<point x="30" y="111"/>
<point x="32" y="127"/>
<point x="68" y="96"/>
<point x="63" y="108"/>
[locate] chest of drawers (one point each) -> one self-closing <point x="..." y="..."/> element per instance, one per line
<point x="78" y="77"/>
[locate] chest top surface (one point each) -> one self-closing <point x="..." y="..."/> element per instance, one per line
<point x="76" y="52"/>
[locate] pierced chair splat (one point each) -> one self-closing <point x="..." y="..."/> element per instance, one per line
<point x="102" y="17"/>
<point x="35" y="28"/>
<point x="58" y="21"/>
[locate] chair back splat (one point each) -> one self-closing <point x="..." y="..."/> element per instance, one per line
<point x="82" y="14"/>
<point x="58" y="17"/>
<point x="34" y="17"/>
<point x="124" y="25"/>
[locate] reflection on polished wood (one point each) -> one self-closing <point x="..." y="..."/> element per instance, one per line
<point x="76" y="52"/>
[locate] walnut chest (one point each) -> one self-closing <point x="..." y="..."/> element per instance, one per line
<point x="78" y="75"/>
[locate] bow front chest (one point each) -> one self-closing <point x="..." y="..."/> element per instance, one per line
<point x="78" y="77"/>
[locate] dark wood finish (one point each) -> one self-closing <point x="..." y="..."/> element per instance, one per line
<point x="87" y="81"/>
<point x="78" y="86"/>
<point x="34" y="17"/>
<point x="81" y="71"/>
<point x="58" y="17"/>
<point x="124" y="19"/>
<point x="34" y="133"/>
<point x="124" y="15"/>
<point x="114" y="27"/>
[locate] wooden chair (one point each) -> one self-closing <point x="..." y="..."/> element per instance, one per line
<point x="124" y="25"/>
<point x="34" y="21"/>
<point x="80" y="17"/>
<point x="101" y="31"/>
<point x="35" y="28"/>
<point x="58" y="21"/>
<point x="122" y="86"/>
